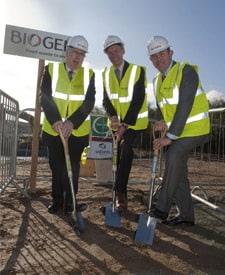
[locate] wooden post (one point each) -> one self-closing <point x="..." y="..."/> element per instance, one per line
<point x="36" y="130"/>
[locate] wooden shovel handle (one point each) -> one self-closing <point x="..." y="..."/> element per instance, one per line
<point x="66" y="150"/>
<point x="163" y="133"/>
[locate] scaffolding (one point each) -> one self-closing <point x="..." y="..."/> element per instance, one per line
<point x="9" y="117"/>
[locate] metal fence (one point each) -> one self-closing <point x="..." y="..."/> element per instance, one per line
<point x="9" y="116"/>
<point x="207" y="165"/>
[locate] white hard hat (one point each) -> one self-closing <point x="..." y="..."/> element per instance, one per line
<point x="157" y="44"/>
<point x="112" y="40"/>
<point x="78" y="42"/>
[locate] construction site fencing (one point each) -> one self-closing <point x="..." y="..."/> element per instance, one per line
<point x="207" y="165"/>
<point x="9" y="117"/>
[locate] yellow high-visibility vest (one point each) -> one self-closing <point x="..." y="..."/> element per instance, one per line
<point x="68" y="95"/>
<point x="167" y="96"/>
<point x="120" y="94"/>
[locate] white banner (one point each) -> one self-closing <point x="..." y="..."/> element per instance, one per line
<point x="35" y="43"/>
<point x="100" y="150"/>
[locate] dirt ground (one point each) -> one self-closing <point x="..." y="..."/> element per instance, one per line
<point x="36" y="242"/>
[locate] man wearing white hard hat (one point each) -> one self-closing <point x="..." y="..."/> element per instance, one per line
<point x="125" y="101"/>
<point x="183" y="114"/>
<point x="67" y="98"/>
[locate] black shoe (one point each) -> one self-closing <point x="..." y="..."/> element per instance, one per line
<point x="178" y="221"/>
<point x="158" y="214"/>
<point x="54" y="207"/>
<point x="79" y="208"/>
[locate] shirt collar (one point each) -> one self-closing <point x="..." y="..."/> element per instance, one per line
<point x="68" y="69"/>
<point x="168" y="69"/>
<point x="120" y="67"/>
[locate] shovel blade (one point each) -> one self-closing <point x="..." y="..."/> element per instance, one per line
<point x="146" y="229"/>
<point x="112" y="218"/>
<point x="76" y="221"/>
<point x="80" y="222"/>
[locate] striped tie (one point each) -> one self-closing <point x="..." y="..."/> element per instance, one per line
<point x="70" y="74"/>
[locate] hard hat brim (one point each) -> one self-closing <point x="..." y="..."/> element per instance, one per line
<point x="119" y="44"/>
<point x="69" y="46"/>
<point x="158" y="50"/>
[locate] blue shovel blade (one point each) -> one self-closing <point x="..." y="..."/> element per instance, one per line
<point x="112" y="218"/>
<point x="146" y="229"/>
<point x="80" y="222"/>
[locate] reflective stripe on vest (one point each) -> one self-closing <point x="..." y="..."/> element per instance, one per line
<point x="175" y="98"/>
<point x="141" y="115"/>
<point x="69" y="97"/>
<point x="193" y="118"/>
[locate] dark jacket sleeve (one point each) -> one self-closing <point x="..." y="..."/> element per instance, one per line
<point x="188" y="89"/>
<point x="136" y="103"/>
<point x="46" y="100"/>
<point x="78" y="117"/>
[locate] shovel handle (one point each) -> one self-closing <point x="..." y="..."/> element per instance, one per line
<point x="114" y="167"/>
<point x="66" y="149"/>
<point x="163" y="133"/>
<point x="154" y="166"/>
<point x="115" y="150"/>
<point x="69" y="170"/>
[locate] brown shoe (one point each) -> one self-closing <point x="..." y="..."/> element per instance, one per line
<point x="121" y="201"/>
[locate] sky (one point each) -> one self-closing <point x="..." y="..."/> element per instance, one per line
<point x="194" y="28"/>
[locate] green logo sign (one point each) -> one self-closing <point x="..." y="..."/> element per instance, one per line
<point x="99" y="126"/>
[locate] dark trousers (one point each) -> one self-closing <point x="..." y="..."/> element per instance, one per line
<point x="125" y="158"/>
<point x="60" y="180"/>
<point x="175" y="184"/>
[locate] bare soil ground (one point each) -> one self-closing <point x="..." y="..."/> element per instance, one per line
<point x="36" y="242"/>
